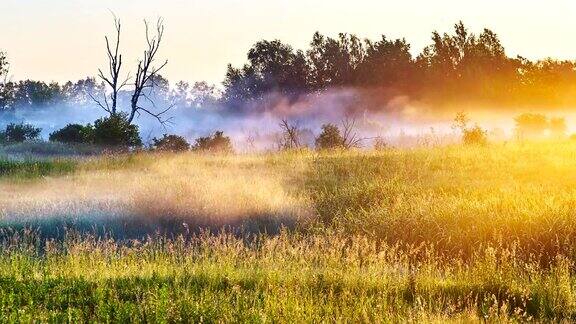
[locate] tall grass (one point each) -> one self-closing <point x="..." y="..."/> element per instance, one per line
<point x="29" y="169"/>
<point x="454" y="233"/>
<point x="283" y="278"/>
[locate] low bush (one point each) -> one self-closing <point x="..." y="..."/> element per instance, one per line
<point x="217" y="143"/>
<point x="116" y="131"/>
<point x="170" y="143"/>
<point x="329" y="138"/>
<point x="73" y="133"/>
<point x="475" y="136"/>
<point x="17" y="133"/>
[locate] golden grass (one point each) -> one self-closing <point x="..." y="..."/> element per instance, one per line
<point x="206" y="190"/>
<point x="453" y="233"/>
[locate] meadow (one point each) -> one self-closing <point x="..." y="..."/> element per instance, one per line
<point x="439" y="234"/>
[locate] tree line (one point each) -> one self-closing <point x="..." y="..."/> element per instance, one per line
<point x="457" y="68"/>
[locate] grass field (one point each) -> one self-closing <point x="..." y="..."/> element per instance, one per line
<point x="437" y="234"/>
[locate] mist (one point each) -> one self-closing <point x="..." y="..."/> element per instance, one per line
<point x="255" y="126"/>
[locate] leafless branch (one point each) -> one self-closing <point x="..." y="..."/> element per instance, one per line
<point x="114" y="68"/>
<point x="146" y="73"/>
<point x="290" y="134"/>
<point x="350" y="136"/>
<point x="99" y="103"/>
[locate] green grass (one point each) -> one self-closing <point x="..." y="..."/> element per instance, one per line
<point x="454" y="233"/>
<point x="287" y="278"/>
<point x="30" y="169"/>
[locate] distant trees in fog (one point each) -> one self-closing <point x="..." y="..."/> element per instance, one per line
<point x="17" y="133"/>
<point x="456" y="68"/>
<point x="534" y="126"/>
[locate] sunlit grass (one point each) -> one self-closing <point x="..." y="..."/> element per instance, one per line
<point x="461" y="233"/>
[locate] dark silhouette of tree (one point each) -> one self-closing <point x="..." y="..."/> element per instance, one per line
<point x="329" y="138"/>
<point x="147" y="75"/>
<point x="117" y="132"/>
<point x="74" y="134"/>
<point x="459" y="67"/>
<point x="112" y="76"/>
<point x="17" y="133"/>
<point x="170" y="143"/>
<point x="273" y="67"/>
<point x="216" y="143"/>
<point x="388" y="63"/>
<point x="333" y="62"/>
<point x="290" y="135"/>
<point x="32" y="94"/>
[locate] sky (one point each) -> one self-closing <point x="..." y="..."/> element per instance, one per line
<point x="60" y="40"/>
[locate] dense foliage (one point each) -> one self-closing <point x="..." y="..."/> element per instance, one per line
<point x="17" y="133"/>
<point x="116" y="131"/>
<point x="329" y="138"/>
<point x="216" y="143"/>
<point x="170" y="143"/>
<point x="73" y="134"/>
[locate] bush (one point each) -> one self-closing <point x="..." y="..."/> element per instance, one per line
<point x="216" y="143"/>
<point x="73" y="134"/>
<point x="170" y="143"/>
<point x="475" y="136"/>
<point x="116" y="131"/>
<point x="330" y="138"/>
<point x="17" y="133"/>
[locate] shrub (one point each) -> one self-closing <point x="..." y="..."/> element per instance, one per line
<point x="470" y="136"/>
<point x="475" y="136"/>
<point x="17" y="133"/>
<point x="330" y="138"/>
<point x="116" y="131"/>
<point x="216" y="143"/>
<point x="73" y="133"/>
<point x="380" y="144"/>
<point x="170" y="143"/>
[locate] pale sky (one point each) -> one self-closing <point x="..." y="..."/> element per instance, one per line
<point x="58" y="40"/>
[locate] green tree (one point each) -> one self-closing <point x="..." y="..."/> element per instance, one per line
<point x="73" y="133"/>
<point x="329" y="138"/>
<point x="216" y="143"/>
<point x="116" y="131"/>
<point x="16" y="133"/>
<point x="170" y="143"/>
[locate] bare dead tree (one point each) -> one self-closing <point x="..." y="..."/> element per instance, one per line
<point x="146" y="74"/>
<point x="112" y="77"/>
<point x="350" y="138"/>
<point x="290" y="135"/>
